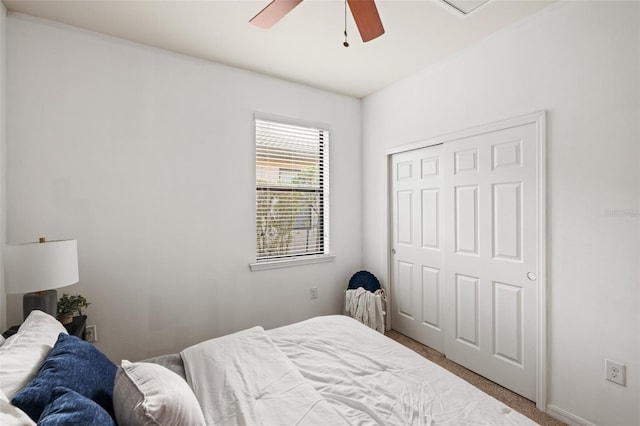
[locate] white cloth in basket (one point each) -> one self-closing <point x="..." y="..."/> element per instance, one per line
<point x="366" y="307"/>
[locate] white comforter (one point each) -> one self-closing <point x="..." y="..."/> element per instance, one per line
<point x="331" y="371"/>
<point x="244" y="379"/>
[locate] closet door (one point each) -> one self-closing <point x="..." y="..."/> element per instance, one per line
<point x="465" y="251"/>
<point x="416" y="259"/>
<point x="490" y="255"/>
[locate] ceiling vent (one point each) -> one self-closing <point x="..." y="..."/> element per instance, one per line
<point x="465" y="6"/>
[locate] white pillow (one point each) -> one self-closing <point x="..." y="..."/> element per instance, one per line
<point x="11" y="415"/>
<point x="22" y="354"/>
<point x="150" y="394"/>
<point x="2" y="339"/>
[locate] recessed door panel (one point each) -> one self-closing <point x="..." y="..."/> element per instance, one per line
<point x="405" y="284"/>
<point x="508" y="322"/>
<point x="507" y="221"/>
<point x="431" y="296"/>
<point x="404" y="217"/>
<point x="507" y="154"/>
<point x="430" y="218"/>
<point x="429" y="167"/>
<point x="466" y="161"/>
<point x="466" y="219"/>
<point x="467" y="309"/>
<point x="404" y="170"/>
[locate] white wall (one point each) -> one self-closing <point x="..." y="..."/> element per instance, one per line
<point x="3" y="134"/>
<point x="147" y="158"/>
<point x="580" y="62"/>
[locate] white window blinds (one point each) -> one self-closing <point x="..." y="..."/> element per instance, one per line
<point x="292" y="190"/>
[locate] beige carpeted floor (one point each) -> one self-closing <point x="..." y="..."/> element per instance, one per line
<point x="515" y="401"/>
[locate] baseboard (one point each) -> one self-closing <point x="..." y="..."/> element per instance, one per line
<point x="566" y="417"/>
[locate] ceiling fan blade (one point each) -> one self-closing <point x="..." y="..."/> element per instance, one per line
<point x="365" y="13"/>
<point x="273" y="12"/>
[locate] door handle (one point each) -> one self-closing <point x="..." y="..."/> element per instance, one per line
<point x="531" y="276"/>
<point x="393" y="251"/>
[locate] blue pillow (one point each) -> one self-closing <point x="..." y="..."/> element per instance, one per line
<point x="73" y="364"/>
<point x="70" y="408"/>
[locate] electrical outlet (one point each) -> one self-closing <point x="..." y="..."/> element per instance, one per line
<point x="313" y="292"/>
<point x="91" y="333"/>
<point x="615" y="372"/>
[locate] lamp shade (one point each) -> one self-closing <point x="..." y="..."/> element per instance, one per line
<point x="42" y="266"/>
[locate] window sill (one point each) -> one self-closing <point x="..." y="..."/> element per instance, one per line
<point x="287" y="263"/>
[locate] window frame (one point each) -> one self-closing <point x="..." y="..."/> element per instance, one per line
<point x="296" y="259"/>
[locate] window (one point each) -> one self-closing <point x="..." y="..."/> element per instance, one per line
<point x="287" y="175"/>
<point x="292" y="191"/>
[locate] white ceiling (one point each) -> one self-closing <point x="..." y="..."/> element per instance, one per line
<point x="305" y="46"/>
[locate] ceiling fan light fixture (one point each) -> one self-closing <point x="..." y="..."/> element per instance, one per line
<point x="364" y="12"/>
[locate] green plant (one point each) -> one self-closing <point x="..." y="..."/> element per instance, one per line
<point x="69" y="304"/>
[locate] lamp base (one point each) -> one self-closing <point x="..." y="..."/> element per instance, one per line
<point x="46" y="301"/>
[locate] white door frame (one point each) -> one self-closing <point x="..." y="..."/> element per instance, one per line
<point x="539" y="119"/>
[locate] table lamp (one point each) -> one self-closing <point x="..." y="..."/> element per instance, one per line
<point x="37" y="269"/>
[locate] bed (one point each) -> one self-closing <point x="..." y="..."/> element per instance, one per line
<point x="328" y="370"/>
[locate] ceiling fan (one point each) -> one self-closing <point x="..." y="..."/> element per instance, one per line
<point x="364" y="12"/>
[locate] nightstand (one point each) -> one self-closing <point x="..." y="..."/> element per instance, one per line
<point x="74" y="328"/>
